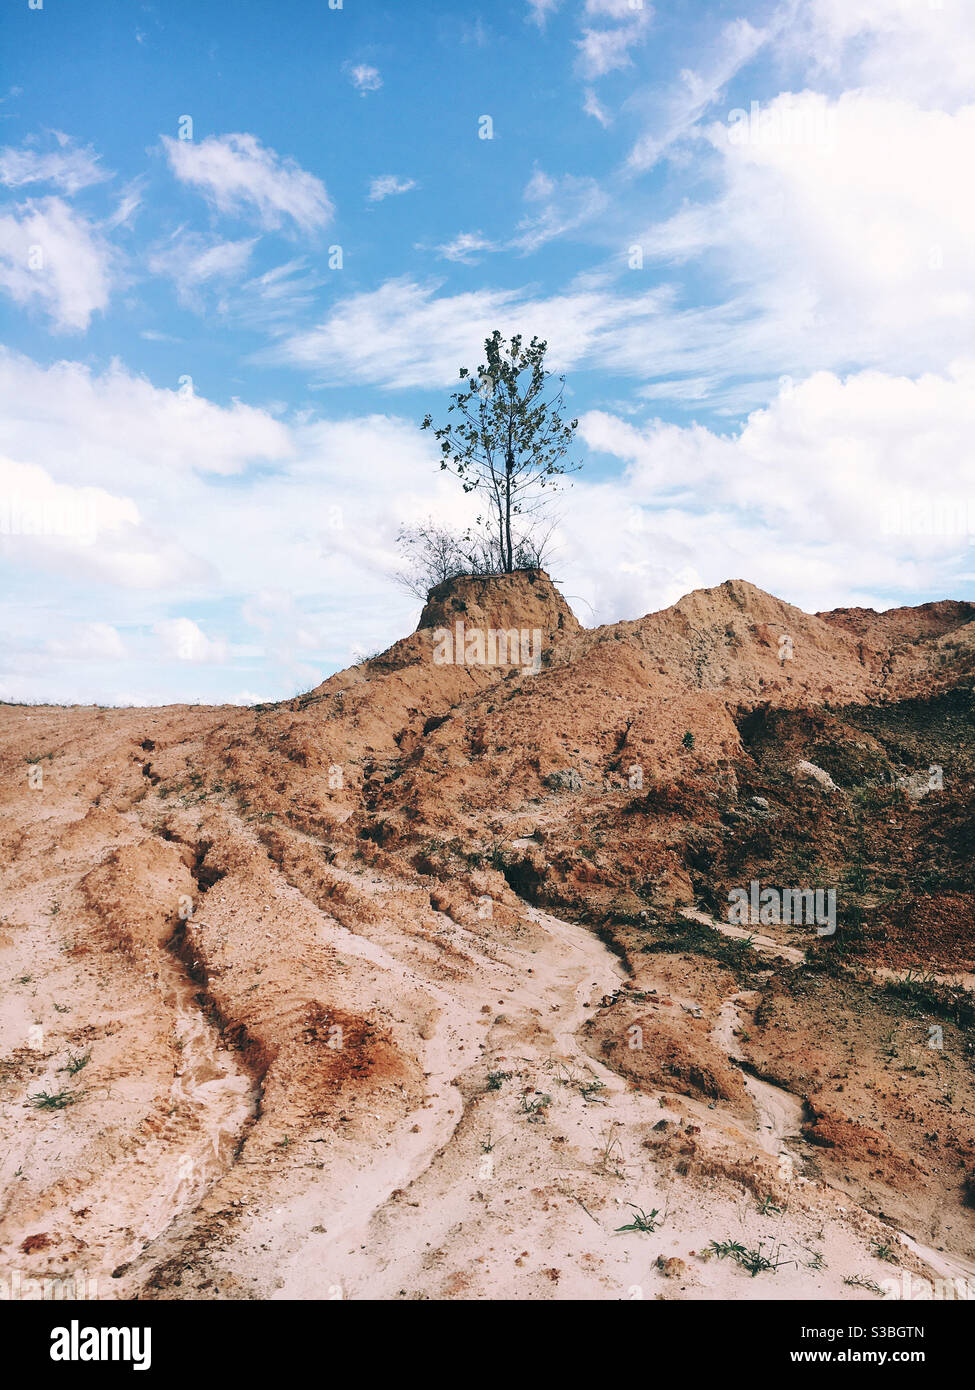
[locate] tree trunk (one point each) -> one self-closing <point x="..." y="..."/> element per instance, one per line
<point x="510" y="468"/>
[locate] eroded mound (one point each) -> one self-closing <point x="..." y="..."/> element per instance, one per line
<point x="389" y="989"/>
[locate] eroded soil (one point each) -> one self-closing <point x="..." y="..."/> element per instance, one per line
<point x="420" y="986"/>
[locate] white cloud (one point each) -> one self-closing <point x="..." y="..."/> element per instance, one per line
<point x="855" y="249"/>
<point x="539" y="10"/>
<point x="686" y="389"/>
<point x="236" y="173"/>
<point x="917" y="50"/>
<point x="675" y="111"/>
<point x="388" y="184"/>
<point x="67" y="166"/>
<point x="191" y="262"/>
<point x="606" y="50"/>
<point x="291" y="634"/>
<point x="566" y="204"/>
<point x="273" y="299"/>
<point x="466" y="247"/>
<point x="89" y="642"/>
<point x="34" y="505"/>
<point x="617" y="9"/>
<point x="55" y="258"/>
<point x="84" y="532"/>
<point x="800" y="500"/>
<point x="593" y="107"/>
<point x="142" y="512"/>
<point x="127" y="430"/>
<point x="404" y="335"/>
<point x="181" y="639"/>
<point x="839" y="486"/>
<point x="129" y="203"/>
<point x="365" y="78"/>
<point x="844" y="229"/>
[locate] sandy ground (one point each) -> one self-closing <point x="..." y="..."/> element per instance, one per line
<point x="265" y="1033"/>
<point x="509" y="1176"/>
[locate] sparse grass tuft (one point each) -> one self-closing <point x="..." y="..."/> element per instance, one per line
<point x="857" y="1281"/>
<point x="535" y="1109"/>
<point x="76" y="1064"/>
<point x="589" y="1090"/>
<point x="60" y="1100"/>
<point x="610" y="1157"/>
<point x="752" y="1260"/>
<point x="929" y="995"/>
<point x="643" y="1221"/>
<point x="698" y="939"/>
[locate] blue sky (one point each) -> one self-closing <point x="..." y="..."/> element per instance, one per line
<point x="243" y="251"/>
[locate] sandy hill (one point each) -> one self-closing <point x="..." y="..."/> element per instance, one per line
<point x="391" y="989"/>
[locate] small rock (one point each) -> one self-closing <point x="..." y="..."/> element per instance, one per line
<point x="818" y="774"/>
<point x="566" y="779"/>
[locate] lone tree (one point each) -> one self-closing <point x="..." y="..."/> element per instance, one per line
<point x="509" y="439"/>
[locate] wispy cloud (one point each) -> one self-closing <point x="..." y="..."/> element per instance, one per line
<point x="539" y="11"/>
<point x="467" y="248"/>
<point x="130" y="200"/>
<point x="192" y="262"/>
<point x="564" y="203"/>
<point x="679" y="109"/>
<point x="593" y="107"/>
<point x="406" y="335"/>
<point x="272" y="301"/>
<point x="67" y="166"/>
<point x="386" y="185"/>
<point x="607" y="49"/>
<point x="365" y="78"/>
<point x="236" y="173"/>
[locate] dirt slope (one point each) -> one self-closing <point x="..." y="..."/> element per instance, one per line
<point x="386" y="991"/>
